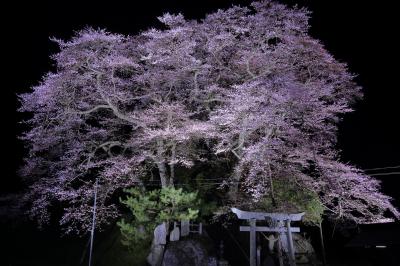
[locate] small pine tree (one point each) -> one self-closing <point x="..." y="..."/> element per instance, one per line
<point x="150" y="208"/>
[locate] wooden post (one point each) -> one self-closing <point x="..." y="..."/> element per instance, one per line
<point x="322" y="244"/>
<point x="258" y="256"/>
<point x="280" y="252"/>
<point x="252" y="242"/>
<point x="93" y="222"/>
<point x="292" y="259"/>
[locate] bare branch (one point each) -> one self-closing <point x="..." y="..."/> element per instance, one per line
<point x="94" y="109"/>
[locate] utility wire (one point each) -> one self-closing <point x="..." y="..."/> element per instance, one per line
<point x="224" y="181"/>
<point x="237" y="243"/>
<point x="390" y="173"/>
<point x="383" y="168"/>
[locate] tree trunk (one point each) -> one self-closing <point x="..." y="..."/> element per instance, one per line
<point x="234" y="188"/>
<point x="162" y="170"/>
<point x="172" y="165"/>
<point x="271" y="185"/>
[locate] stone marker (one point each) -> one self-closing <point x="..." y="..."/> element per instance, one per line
<point x="160" y="234"/>
<point x="185" y="227"/>
<point x="174" y="235"/>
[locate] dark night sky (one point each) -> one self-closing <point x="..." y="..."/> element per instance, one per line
<point x="362" y="33"/>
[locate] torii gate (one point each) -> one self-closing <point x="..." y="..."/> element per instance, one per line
<point x="280" y="217"/>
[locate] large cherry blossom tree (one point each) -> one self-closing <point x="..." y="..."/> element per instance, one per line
<point x="248" y="85"/>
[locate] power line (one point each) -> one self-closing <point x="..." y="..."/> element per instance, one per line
<point x="237" y="243"/>
<point x="382" y="168"/>
<point x="390" y="173"/>
<point x="199" y="184"/>
<point x="223" y="181"/>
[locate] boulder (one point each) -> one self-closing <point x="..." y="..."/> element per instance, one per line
<point x="305" y="253"/>
<point x="196" y="251"/>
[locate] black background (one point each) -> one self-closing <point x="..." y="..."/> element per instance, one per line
<point x="362" y="33"/>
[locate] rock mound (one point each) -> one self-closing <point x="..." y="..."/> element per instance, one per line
<point x="195" y="251"/>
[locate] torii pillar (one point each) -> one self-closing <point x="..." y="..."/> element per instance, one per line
<point x="252" y="217"/>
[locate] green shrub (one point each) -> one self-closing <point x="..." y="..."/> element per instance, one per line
<point x="150" y="208"/>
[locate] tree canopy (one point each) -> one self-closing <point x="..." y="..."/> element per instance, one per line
<point x="245" y="87"/>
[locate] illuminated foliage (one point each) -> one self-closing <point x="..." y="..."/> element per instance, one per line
<point x="246" y="85"/>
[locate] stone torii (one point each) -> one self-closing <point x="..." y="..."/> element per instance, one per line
<point x="282" y="218"/>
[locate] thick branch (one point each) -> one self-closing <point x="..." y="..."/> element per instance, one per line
<point x="94" y="109"/>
